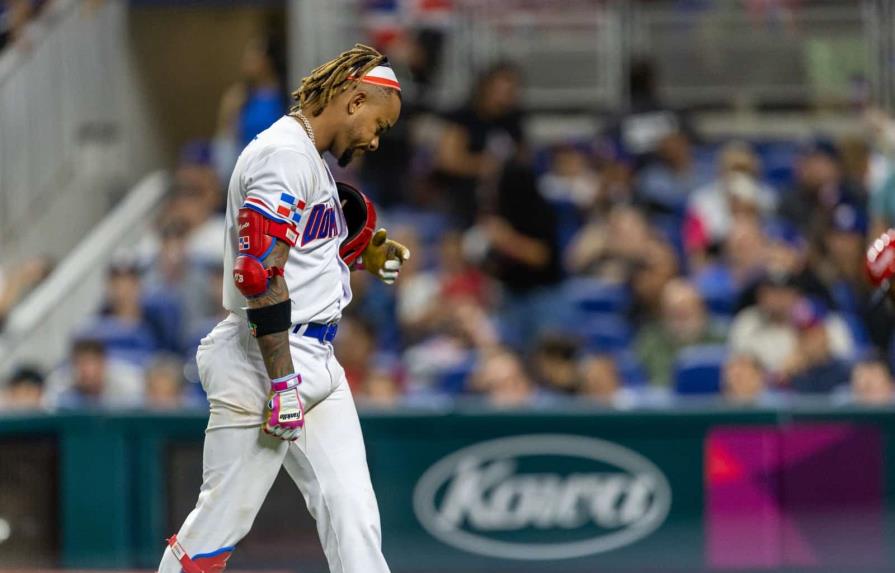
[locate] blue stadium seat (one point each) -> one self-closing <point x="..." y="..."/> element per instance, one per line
<point x="718" y="290"/>
<point x="605" y="332"/>
<point x="698" y="369"/>
<point x="858" y="331"/>
<point x="629" y="369"/>
<point x="596" y="296"/>
<point x="778" y="160"/>
<point x="453" y="380"/>
<point x="131" y="342"/>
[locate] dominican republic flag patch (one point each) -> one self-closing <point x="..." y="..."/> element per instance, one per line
<point x="290" y="208"/>
<point x="244" y="244"/>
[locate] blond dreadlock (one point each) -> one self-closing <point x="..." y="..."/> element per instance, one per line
<point x="331" y="78"/>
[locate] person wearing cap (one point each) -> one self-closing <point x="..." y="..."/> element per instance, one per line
<point x="766" y="331"/>
<point x="735" y="193"/>
<point x="24" y="390"/>
<point x="820" y="187"/>
<point x="842" y="270"/>
<point x="812" y="368"/>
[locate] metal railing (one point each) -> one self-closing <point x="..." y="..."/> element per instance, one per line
<point x="59" y="88"/>
<point x="39" y="329"/>
<point x="728" y="54"/>
<point x="575" y="53"/>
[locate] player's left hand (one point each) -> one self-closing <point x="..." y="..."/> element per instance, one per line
<point x="285" y="413"/>
<point x="383" y="257"/>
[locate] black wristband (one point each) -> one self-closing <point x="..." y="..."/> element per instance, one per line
<point x="270" y="319"/>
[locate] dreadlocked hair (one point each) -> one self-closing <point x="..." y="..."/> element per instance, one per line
<point x="331" y="79"/>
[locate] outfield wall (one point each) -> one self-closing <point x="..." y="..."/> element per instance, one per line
<point x="569" y="491"/>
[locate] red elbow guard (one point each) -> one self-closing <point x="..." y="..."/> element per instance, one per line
<point x="251" y="277"/>
<point x="257" y="237"/>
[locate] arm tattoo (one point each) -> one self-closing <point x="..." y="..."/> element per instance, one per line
<point x="275" y="347"/>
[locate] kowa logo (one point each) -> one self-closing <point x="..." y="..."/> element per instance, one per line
<point x="542" y="496"/>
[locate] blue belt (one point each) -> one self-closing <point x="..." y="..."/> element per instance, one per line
<point x="322" y="332"/>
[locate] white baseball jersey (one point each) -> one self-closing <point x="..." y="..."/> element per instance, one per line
<point x="282" y="176"/>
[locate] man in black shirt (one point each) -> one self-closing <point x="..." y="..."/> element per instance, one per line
<point x="478" y="141"/>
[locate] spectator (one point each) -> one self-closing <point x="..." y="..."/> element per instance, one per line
<point x="555" y="364"/>
<point x="745" y="251"/>
<point x="460" y="279"/>
<point x="665" y="184"/>
<point x="684" y="322"/>
<point x="572" y="189"/>
<point x="606" y="248"/>
<point x="356" y="347"/>
<point x="252" y="104"/>
<point x="766" y="331"/>
<point x="418" y="302"/>
<point x="467" y="333"/>
<point x="381" y="389"/>
<point x="93" y="379"/>
<point x="819" y="188"/>
<point x="525" y="258"/>
<point x="123" y="324"/>
<point x="388" y="175"/>
<point x="639" y="131"/>
<point x="600" y="382"/>
<point x="20" y="279"/>
<point x="842" y="267"/>
<point x="736" y="192"/>
<point x="422" y="294"/>
<point x="785" y="253"/>
<point x="478" y="140"/>
<point x="502" y="379"/>
<point x="571" y="179"/>
<point x="164" y="384"/>
<point x="871" y="383"/>
<point x="24" y="390"/>
<point x="195" y="202"/>
<point x="812" y="368"/>
<point x="744" y="382"/>
<point x="649" y="276"/>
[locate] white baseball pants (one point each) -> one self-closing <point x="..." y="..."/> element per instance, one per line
<point x="240" y="463"/>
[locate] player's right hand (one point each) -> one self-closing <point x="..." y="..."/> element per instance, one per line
<point x="383" y="257"/>
<point x="285" y="413"/>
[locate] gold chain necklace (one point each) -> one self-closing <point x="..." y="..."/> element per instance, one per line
<point x="307" y="125"/>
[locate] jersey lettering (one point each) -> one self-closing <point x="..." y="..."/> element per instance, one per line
<point x="321" y="224"/>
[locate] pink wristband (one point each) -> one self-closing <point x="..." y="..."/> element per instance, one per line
<point x="286" y="382"/>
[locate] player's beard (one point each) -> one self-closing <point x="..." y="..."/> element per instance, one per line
<point x="346" y="157"/>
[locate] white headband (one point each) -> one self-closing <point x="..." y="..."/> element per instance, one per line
<point x="381" y="76"/>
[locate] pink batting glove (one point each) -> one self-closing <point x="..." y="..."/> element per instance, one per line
<point x="285" y="416"/>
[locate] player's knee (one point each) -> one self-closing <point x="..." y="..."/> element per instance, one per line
<point x="360" y="503"/>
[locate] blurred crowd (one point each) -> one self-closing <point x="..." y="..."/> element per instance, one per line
<point x="636" y="268"/>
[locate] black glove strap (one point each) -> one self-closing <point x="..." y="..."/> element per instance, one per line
<point x="270" y="319"/>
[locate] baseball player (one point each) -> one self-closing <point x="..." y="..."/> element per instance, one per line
<point x="293" y="235"/>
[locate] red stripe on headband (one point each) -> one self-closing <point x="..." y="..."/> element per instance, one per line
<point x="381" y="82"/>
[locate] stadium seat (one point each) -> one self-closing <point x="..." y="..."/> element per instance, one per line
<point x="778" y="159"/>
<point x="858" y="331"/>
<point x="698" y="369"/>
<point x="629" y="369"/>
<point x="605" y="332"/>
<point x="718" y="290"/>
<point x="596" y="296"/>
<point x="453" y="380"/>
<point x="131" y="342"/>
